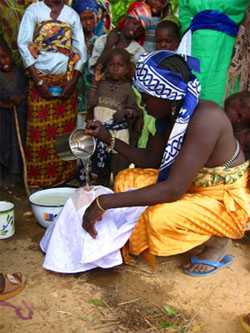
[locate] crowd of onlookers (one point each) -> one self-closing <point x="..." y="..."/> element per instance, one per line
<point x="76" y="61"/>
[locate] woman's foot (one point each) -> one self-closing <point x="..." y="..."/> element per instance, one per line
<point x="11" y="285"/>
<point x="214" y="249"/>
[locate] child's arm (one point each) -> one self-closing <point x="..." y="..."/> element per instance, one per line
<point x="129" y="111"/>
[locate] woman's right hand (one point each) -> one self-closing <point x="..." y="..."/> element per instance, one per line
<point x="96" y="129"/>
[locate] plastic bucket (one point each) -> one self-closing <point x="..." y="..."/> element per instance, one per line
<point x="7" y="219"/>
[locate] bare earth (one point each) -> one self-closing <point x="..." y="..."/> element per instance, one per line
<point x="125" y="299"/>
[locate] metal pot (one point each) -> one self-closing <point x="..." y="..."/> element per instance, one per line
<point x="75" y="145"/>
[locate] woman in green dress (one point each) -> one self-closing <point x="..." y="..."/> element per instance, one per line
<point x="214" y="48"/>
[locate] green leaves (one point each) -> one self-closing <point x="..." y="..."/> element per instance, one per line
<point x="166" y="324"/>
<point x="170" y="311"/>
<point x="97" y="302"/>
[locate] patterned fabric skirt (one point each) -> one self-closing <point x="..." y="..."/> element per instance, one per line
<point x="48" y="119"/>
<point x="217" y="206"/>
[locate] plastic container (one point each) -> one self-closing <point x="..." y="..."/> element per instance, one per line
<point x="47" y="204"/>
<point x="7" y="219"/>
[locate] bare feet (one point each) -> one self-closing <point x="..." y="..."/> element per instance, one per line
<point x="214" y="249"/>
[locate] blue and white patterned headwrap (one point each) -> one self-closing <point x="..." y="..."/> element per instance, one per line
<point x="152" y="79"/>
<point x="86" y="5"/>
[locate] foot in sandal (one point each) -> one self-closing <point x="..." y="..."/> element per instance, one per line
<point x="11" y="285"/>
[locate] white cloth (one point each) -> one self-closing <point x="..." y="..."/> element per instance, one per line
<point x="70" y="249"/>
<point x="134" y="48"/>
<point x="50" y="62"/>
<point x="185" y="46"/>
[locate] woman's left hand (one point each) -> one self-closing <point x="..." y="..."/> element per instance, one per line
<point x="92" y="215"/>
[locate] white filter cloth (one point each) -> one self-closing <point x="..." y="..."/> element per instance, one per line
<point x="70" y="249"/>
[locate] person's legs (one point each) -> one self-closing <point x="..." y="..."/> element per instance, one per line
<point x="178" y="227"/>
<point x="214" y="249"/>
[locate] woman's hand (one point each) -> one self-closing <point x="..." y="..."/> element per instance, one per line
<point x="96" y="129"/>
<point x="92" y="215"/>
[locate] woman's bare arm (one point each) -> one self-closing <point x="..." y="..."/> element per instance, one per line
<point x="199" y="145"/>
<point x="142" y="158"/>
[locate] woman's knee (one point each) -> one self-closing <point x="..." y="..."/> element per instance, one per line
<point x="134" y="178"/>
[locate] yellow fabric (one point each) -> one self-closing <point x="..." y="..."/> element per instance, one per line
<point x="172" y="228"/>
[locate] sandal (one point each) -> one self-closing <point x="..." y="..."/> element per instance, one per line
<point x="13" y="285"/>
<point x="215" y="265"/>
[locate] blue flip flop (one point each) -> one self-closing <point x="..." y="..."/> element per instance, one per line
<point x="216" y="265"/>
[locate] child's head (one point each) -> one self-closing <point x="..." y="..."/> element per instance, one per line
<point x="5" y="57"/>
<point x="157" y="6"/>
<point x="237" y="107"/>
<point x="118" y="65"/>
<point x="132" y="28"/>
<point x="167" y="36"/>
<point x="88" y="11"/>
<point x="89" y="21"/>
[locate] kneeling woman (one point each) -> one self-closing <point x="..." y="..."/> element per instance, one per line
<point x="192" y="177"/>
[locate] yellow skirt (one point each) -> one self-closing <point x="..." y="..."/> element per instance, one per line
<point x="167" y="229"/>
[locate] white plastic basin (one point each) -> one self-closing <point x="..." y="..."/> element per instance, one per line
<point x="47" y="204"/>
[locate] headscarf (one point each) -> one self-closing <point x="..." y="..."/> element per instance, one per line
<point x="86" y="5"/>
<point x="141" y="12"/>
<point x="152" y="79"/>
<point x="104" y="24"/>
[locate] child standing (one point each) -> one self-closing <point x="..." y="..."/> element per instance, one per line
<point x="112" y="102"/>
<point x="167" y="36"/>
<point x="12" y="94"/>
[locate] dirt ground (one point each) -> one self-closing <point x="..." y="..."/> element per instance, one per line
<point x="125" y="299"/>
